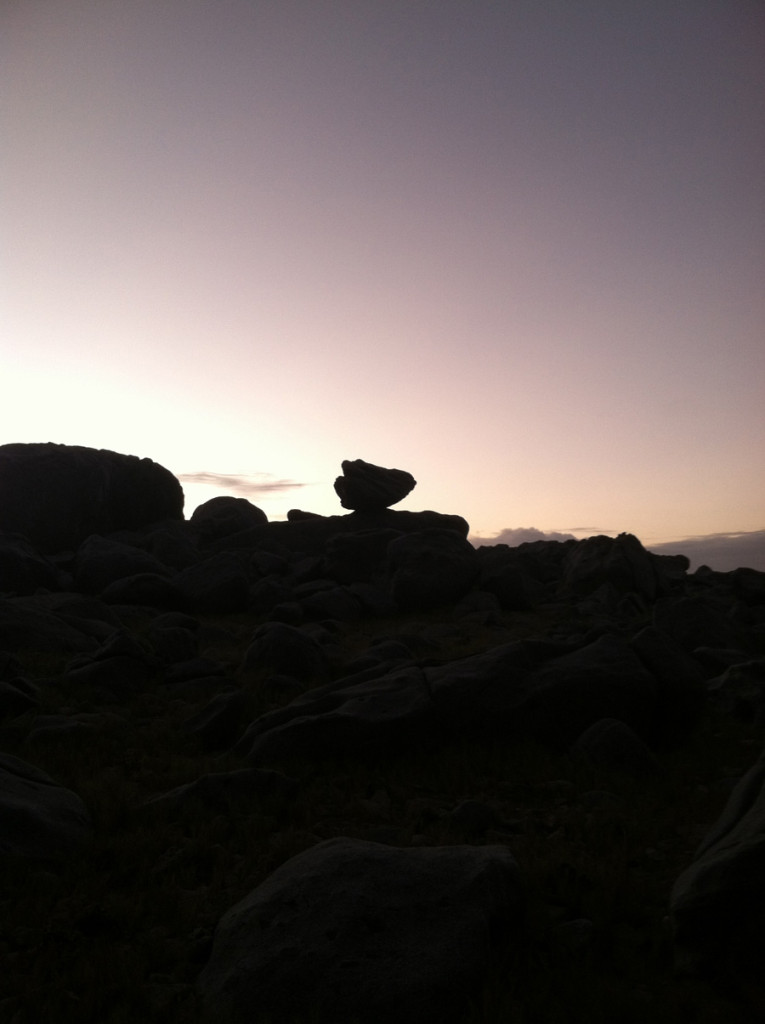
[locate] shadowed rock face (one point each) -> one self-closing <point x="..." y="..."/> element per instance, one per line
<point x="57" y="495"/>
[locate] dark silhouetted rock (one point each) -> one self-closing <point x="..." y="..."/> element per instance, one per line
<point x="221" y="721"/>
<point x="681" y="694"/>
<point x="284" y="649"/>
<point x="57" y="495"/>
<point x="612" y="745"/>
<point x="355" y="930"/>
<point x="349" y="716"/>
<point x="223" y="516"/>
<point x="697" y="620"/>
<point x="266" y="786"/>
<point x="367" y="488"/>
<point x="145" y="588"/>
<point x="101" y="561"/>
<point x="17" y="694"/>
<point x="430" y="569"/>
<point x="31" y="626"/>
<point x="23" y="569"/>
<point x="523" y="689"/>
<point x="717" y="905"/>
<point x="217" y="584"/>
<point x="310" y="536"/>
<point x="740" y="690"/>
<point x="337" y="603"/>
<point x="358" y="557"/>
<point x="620" y="561"/>
<point x="38" y="818"/>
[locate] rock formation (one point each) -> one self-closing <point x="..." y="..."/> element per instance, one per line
<point x="56" y="495"/>
<point x="352" y="719"/>
<point x="368" y="488"/>
<point x="353" y="930"/>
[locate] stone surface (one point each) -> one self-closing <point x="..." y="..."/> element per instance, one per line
<point x="717" y="905"/>
<point x="57" y="495"/>
<point x="223" y="516"/>
<point x="358" y="717"/>
<point x="367" y="488"/>
<point x="31" y="626"/>
<point x="278" y="647"/>
<point x="430" y="569"/>
<point x="101" y="561"/>
<point x="611" y="745"/>
<point x="39" y="819"/>
<point x="23" y="570"/>
<point x="355" y="930"/>
<point x="621" y="561"/>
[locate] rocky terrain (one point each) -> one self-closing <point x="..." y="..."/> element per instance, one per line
<point x="352" y="768"/>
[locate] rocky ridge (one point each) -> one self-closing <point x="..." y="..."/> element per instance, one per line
<point x="338" y="742"/>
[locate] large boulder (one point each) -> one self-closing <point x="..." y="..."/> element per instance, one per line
<point x="369" y="488"/>
<point x="366" y="714"/>
<point x="223" y="516"/>
<point x="352" y="930"/>
<point x="620" y="561"/>
<point x="101" y="561"/>
<point x="430" y="569"/>
<point x="57" y="495"/>
<point x="519" y="689"/>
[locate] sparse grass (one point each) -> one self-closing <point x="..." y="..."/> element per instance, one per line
<point x="120" y="934"/>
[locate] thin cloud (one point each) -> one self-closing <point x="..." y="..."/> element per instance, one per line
<point x="259" y="484"/>
<point x="720" y="551"/>
<point x="513" y="536"/>
<point x="592" y="531"/>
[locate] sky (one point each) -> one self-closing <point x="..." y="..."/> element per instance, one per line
<point x="514" y="248"/>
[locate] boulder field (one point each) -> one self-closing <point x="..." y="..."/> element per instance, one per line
<point x="353" y="768"/>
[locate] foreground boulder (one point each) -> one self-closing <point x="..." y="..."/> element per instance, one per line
<point x="717" y="905"/>
<point x="368" y="488"/>
<point x="355" y="930"/>
<point x="57" y="495"/>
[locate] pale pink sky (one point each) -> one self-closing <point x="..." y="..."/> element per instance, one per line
<point x="514" y="248"/>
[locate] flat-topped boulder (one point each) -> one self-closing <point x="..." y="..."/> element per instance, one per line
<point x="57" y="495"/>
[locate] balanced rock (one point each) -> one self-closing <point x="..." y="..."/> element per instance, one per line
<point x="368" y="488"/>
<point x="57" y="495"/>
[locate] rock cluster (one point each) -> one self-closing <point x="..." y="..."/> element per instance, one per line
<point x="346" y="637"/>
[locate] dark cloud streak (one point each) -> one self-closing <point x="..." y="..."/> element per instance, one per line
<point x="262" y="483"/>
<point x="720" y="551"/>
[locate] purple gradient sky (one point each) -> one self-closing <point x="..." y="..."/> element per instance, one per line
<point x="514" y="248"/>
